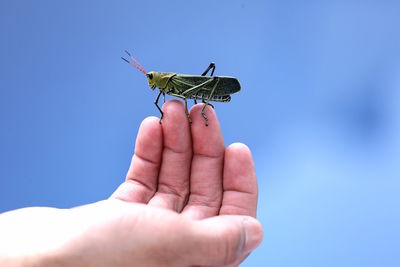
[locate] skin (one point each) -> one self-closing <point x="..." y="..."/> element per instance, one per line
<point x="187" y="201"/>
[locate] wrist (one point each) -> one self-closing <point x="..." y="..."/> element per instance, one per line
<point x="27" y="260"/>
<point x="29" y="237"/>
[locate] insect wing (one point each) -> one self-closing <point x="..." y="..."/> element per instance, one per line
<point x="226" y="85"/>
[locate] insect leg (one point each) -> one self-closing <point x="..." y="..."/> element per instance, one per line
<point x="193" y="90"/>
<point x="203" y="101"/>
<point x="195" y="99"/>
<point x="186" y="109"/>
<point x="189" y="92"/>
<point x="187" y="112"/>
<point x="156" y="103"/>
<point x="212" y="66"/>
<point x="163" y="94"/>
<point x="208" y="100"/>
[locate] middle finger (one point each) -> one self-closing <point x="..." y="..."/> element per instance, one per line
<point x="173" y="178"/>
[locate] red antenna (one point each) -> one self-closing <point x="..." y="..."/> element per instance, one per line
<point x="135" y="63"/>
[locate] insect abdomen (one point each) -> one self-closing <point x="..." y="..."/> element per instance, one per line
<point x="221" y="98"/>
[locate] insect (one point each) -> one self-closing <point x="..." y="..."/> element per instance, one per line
<point x="206" y="89"/>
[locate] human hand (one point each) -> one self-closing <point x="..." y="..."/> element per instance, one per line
<point x="186" y="201"/>
<point x="187" y="169"/>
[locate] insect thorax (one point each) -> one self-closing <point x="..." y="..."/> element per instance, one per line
<point x="162" y="80"/>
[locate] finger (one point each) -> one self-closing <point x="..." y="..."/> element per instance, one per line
<point x="173" y="179"/>
<point x="223" y="240"/>
<point x="240" y="182"/>
<point x="141" y="179"/>
<point x="207" y="165"/>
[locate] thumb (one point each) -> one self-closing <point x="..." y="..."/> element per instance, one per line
<point x="226" y="239"/>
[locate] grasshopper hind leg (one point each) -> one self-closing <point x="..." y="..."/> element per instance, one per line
<point x="208" y="100"/>
<point x="211" y="66"/>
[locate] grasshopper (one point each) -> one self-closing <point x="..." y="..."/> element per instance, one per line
<point x="212" y="88"/>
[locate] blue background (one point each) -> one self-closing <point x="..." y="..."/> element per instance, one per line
<point x="319" y="107"/>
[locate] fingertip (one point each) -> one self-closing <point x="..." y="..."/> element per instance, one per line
<point x="240" y="153"/>
<point x="254" y="234"/>
<point x="239" y="147"/>
<point x="197" y="116"/>
<point x="174" y="119"/>
<point x="172" y="106"/>
<point x="150" y="119"/>
<point x="149" y="131"/>
<point x="151" y="122"/>
<point x="199" y="107"/>
<point x="149" y="139"/>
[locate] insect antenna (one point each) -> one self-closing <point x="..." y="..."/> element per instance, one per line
<point x="135" y="63"/>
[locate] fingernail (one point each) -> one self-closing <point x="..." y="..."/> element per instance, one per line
<point x="254" y="234"/>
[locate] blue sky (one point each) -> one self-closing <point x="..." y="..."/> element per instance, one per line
<point x="319" y="108"/>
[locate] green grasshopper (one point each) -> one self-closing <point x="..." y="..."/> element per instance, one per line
<point x="213" y="88"/>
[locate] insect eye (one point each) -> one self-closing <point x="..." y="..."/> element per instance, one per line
<point x="150" y="75"/>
